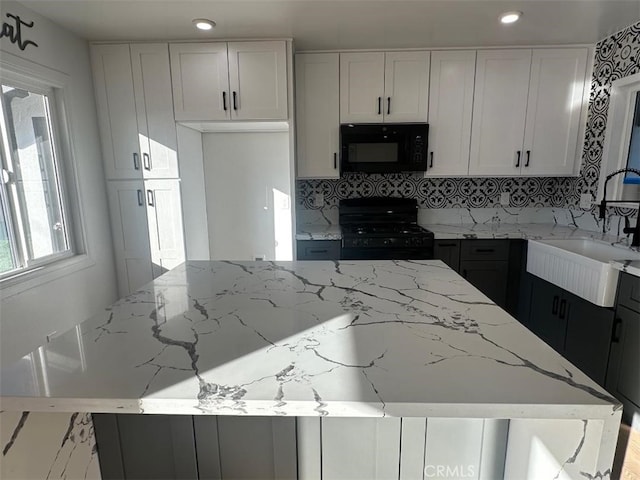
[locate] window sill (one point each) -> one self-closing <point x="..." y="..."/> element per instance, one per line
<point x="21" y="283"/>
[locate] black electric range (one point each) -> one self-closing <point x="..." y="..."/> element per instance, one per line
<point x="379" y="228"/>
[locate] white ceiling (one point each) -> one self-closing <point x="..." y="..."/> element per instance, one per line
<point x="344" y="24"/>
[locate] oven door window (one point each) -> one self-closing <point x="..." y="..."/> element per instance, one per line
<point x="373" y="153"/>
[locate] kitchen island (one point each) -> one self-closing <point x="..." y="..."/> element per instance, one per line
<point x="408" y="345"/>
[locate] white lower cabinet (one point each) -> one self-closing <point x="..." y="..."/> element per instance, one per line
<point x="146" y="224"/>
<point x="164" y="217"/>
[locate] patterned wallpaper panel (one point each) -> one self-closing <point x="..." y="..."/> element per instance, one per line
<point x="616" y="57"/>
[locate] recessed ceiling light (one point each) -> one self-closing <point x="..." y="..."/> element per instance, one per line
<point x="510" y="17"/>
<point x="204" y="24"/>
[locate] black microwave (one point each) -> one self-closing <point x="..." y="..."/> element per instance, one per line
<point x="383" y="147"/>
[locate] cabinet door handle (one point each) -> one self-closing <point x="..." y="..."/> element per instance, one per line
<point x="554" y="306"/>
<point x="430" y="159"/>
<point x="526" y="164"/>
<point x="224" y="101"/>
<point x="518" y="160"/>
<point x="150" y="199"/>
<point x="447" y="245"/>
<point x="563" y="309"/>
<point x="235" y="101"/>
<point x="335" y="160"/>
<point x="140" y="198"/>
<point x="464" y="273"/>
<point x="136" y="161"/>
<point x="379" y="105"/>
<point x="388" y="105"/>
<point x="146" y="160"/>
<point x="617" y="327"/>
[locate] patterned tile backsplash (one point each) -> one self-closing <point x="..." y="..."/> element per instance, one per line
<point x="616" y="57"/>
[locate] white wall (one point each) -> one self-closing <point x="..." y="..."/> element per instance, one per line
<point x="248" y="191"/>
<point x="28" y="316"/>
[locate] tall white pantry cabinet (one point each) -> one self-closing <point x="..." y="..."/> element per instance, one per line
<point x="138" y="134"/>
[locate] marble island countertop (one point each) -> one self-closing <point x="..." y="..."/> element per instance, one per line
<point x="374" y="338"/>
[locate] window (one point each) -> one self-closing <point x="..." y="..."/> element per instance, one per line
<point x="34" y="226"/>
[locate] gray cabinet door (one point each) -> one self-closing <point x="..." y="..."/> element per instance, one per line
<point x="546" y="319"/>
<point x="623" y="380"/>
<point x="142" y="447"/>
<point x="448" y="251"/>
<point x="588" y="337"/>
<point x="490" y="277"/>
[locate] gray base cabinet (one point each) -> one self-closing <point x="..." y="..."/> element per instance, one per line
<point x="200" y="447"/>
<point x="623" y="373"/>
<point x="448" y="251"/>
<point x="318" y="249"/>
<point x="575" y="328"/>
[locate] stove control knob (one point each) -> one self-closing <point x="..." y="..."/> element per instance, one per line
<point x="387" y="242"/>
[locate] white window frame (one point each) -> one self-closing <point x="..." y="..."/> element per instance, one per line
<point x="56" y="85"/>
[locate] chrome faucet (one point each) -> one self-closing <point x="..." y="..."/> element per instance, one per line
<point x="635" y="239"/>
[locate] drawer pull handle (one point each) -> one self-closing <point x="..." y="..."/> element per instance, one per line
<point x="485" y="250"/>
<point x="447" y="245"/>
<point x="318" y="251"/>
<point x="563" y="309"/>
<point x="554" y="307"/>
<point x="615" y="334"/>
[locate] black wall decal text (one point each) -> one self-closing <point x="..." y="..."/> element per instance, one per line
<point x="14" y="32"/>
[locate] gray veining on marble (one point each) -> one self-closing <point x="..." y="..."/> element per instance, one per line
<point x="318" y="232"/>
<point x="48" y="445"/>
<point x="369" y="338"/>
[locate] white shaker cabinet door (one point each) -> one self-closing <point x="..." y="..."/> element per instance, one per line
<point x="164" y="214"/>
<point x="499" y="110"/>
<point x="406" y="87"/>
<point x="318" y="115"/>
<point x="258" y="80"/>
<point x="554" y="109"/>
<point x="360" y="448"/>
<point x="450" y="109"/>
<point x="130" y="236"/>
<point x="154" y="107"/>
<point x="113" y="82"/>
<point x="361" y="87"/>
<point x="200" y="78"/>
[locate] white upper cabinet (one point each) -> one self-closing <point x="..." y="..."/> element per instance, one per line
<point x="377" y="87"/>
<point x="527" y="112"/>
<point x="258" y="80"/>
<point x="317" y="115"/>
<point x="499" y="110"/>
<point x="554" y="110"/>
<point x="450" y="110"/>
<point x="135" y="111"/>
<point x="113" y="82"/>
<point x="156" y="125"/>
<point x="200" y="76"/>
<point x="406" y="86"/>
<point x="361" y="87"/>
<point x="229" y="81"/>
